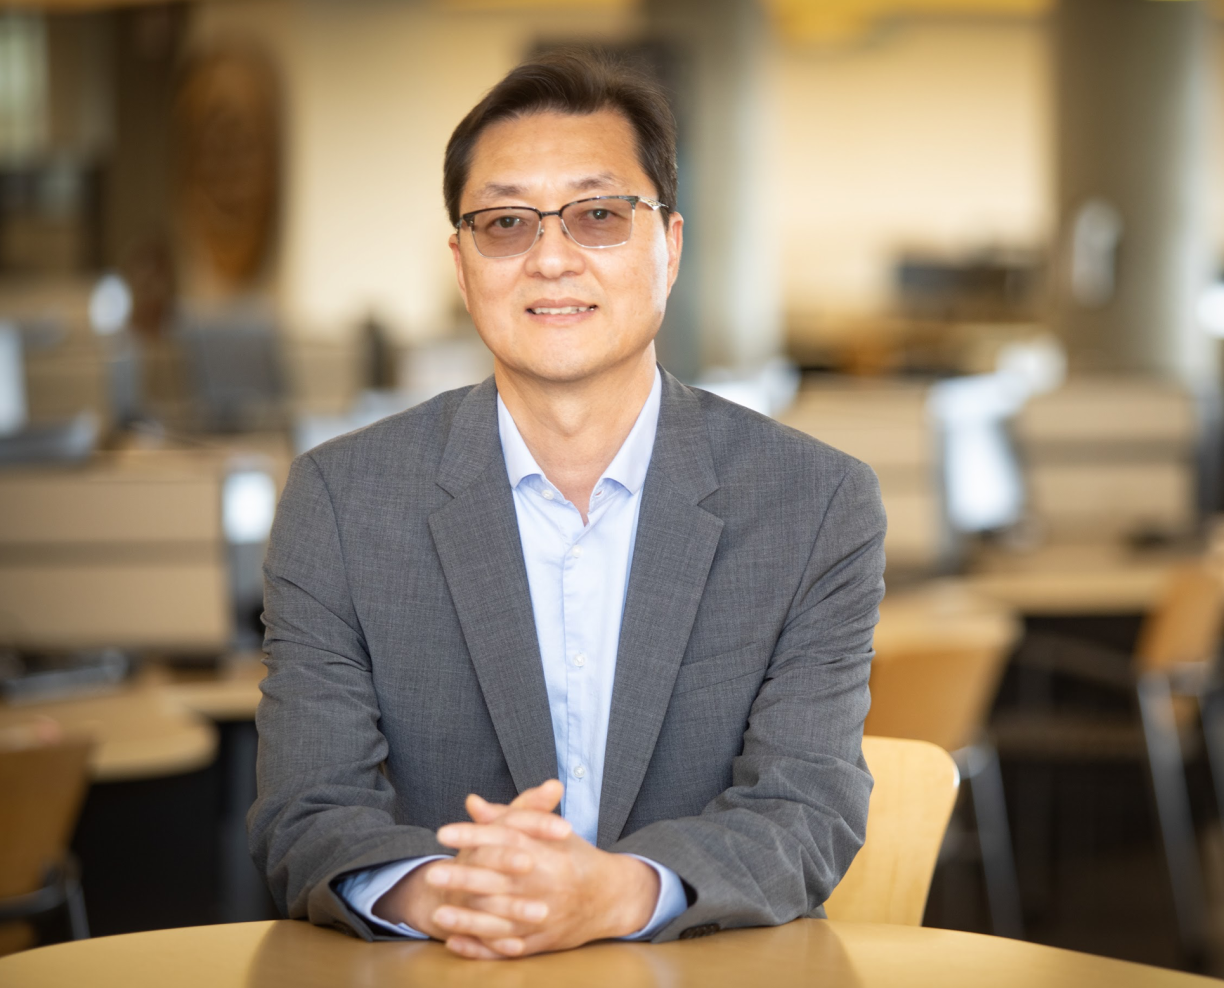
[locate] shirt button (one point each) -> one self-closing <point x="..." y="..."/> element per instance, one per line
<point x="580" y="659"/>
<point x="576" y="551"/>
<point x="547" y="495"/>
<point x="579" y="772"/>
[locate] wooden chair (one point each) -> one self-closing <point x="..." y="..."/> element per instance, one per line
<point x="915" y="787"/>
<point x="41" y="792"/>
<point x="1174" y="679"/>
<point x="939" y="658"/>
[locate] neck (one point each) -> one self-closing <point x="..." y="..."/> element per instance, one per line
<point x="575" y="428"/>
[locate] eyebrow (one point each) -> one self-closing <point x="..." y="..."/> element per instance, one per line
<point x="497" y="190"/>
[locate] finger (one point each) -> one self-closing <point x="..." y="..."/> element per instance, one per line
<point x="541" y="826"/>
<point x="473" y="948"/>
<point x="461" y="878"/>
<point x="522" y="946"/>
<point x="482" y="811"/>
<point x="463" y="835"/>
<point x="486" y="926"/>
<point x="510" y="861"/>
<point x="511" y="907"/>
<point x="546" y="796"/>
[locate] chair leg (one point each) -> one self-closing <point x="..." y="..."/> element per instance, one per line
<point x="981" y="764"/>
<point x="1168" y="773"/>
<point x="1211" y="712"/>
<point x="78" y="922"/>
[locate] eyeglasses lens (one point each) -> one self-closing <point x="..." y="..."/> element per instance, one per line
<point x="503" y="232"/>
<point x="510" y="231"/>
<point x="601" y="223"/>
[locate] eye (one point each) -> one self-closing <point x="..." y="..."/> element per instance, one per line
<point x="600" y="214"/>
<point x="507" y="222"/>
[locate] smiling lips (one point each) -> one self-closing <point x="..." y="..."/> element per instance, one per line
<point x="559" y="307"/>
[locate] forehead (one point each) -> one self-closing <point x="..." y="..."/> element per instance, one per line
<point x="550" y="154"/>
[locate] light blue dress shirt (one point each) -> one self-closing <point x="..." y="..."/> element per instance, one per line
<point x="578" y="576"/>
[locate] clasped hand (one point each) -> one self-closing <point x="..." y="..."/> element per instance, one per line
<point x="522" y="883"/>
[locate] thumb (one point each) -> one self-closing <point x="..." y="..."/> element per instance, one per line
<point x="544" y="797"/>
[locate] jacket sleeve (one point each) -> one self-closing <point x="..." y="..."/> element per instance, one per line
<point x="773" y="846"/>
<point x="324" y="808"/>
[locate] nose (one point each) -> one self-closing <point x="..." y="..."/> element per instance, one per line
<point x="555" y="254"/>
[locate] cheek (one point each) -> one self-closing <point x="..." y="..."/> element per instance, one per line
<point x="644" y="282"/>
<point x="654" y="277"/>
<point x="487" y="288"/>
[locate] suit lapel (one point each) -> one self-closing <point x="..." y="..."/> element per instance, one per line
<point x="675" y="545"/>
<point x="477" y="540"/>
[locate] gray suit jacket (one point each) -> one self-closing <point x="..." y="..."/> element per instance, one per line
<point x="404" y="672"/>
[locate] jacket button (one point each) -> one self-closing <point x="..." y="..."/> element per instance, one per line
<point x="700" y="931"/>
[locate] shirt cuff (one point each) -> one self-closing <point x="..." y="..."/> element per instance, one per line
<point x="672" y="900"/>
<point x="362" y="889"/>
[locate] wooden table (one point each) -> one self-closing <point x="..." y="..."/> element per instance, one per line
<point x="139" y="733"/>
<point x="943" y="614"/>
<point x="1075" y="579"/>
<point x="807" y="952"/>
<point x="230" y="692"/>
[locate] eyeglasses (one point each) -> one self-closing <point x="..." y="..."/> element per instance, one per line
<point x="598" y="222"/>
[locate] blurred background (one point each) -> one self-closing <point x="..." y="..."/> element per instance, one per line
<point x="976" y="243"/>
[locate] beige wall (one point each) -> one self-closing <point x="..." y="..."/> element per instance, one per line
<point x="935" y="133"/>
<point x="374" y="89"/>
<point x="932" y="133"/>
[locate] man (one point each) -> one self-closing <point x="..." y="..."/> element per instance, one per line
<point x="580" y="568"/>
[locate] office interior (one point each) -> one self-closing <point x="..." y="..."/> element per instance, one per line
<point x="978" y="244"/>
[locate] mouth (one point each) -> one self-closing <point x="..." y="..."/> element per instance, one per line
<point x="560" y="310"/>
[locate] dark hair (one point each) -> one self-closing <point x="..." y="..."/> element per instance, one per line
<point x="578" y="81"/>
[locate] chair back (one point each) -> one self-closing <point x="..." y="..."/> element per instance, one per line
<point x="915" y="788"/>
<point x="937" y="695"/>
<point x="1185" y="626"/>
<point x="940" y="652"/>
<point x="41" y="792"/>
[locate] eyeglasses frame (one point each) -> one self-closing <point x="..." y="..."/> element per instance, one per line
<point x="467" y="218"/>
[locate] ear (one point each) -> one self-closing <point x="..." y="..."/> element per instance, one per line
<point x="675" y="244"/>
<point x="457" y="257"/>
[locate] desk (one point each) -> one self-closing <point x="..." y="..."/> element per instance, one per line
<point x="940" y="615"/>
<point x="806" y="952"/>
<point x="229" y="693"/>
<point x="139" y="733"/>
<point x="1075" y="580"/>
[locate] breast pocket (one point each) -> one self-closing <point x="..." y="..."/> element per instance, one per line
<point x="699" y="673"/>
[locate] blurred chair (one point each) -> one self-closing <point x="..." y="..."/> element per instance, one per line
<point x="886" y="424"/>
<point x="943" y="694"/>
<point x="43" y="789"/>
<point x="1173" y="675"/>
<point x="915" y="787"/>
<point x="1111" y="458"/>
<point x="234" y="362"/>
<point x="128" y="552"/>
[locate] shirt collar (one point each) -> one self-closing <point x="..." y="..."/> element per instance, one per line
<point x="629" y="465"/>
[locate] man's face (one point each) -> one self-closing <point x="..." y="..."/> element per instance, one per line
<point x="546" y="160"/>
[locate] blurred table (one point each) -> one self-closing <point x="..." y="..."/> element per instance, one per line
<point x="139" y="732"/>
<point x="1075" y="579"/>
<point x="227" y="693"/>
<point x="805" y="952"/>
<point x="943" y="613"/>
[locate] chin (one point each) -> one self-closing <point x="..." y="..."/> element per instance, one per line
<point x="566" y="368"/>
